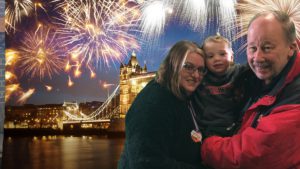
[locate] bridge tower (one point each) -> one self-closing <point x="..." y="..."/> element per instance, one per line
<point x="133" y="78"/>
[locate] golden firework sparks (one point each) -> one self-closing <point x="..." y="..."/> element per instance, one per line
<point x="9" y="76"/>
<point x="70" y="82"/>
<point x="11" y="57"/>
<point x="90" y="30"/>
<point x="14" y="11"/>
<point x="48" y="87"/>
<point x="40" y="54"/>
<point x="24" y="96"/>
<point x="10" y="89"/>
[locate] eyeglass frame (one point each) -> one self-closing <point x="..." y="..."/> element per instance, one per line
<point x="190" y="68"/>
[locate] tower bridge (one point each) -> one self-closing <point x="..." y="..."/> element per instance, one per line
<point x="133" y="78"/>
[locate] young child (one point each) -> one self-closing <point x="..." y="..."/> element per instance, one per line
<point x="224" y="90"/>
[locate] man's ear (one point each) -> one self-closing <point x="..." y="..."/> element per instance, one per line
<point x="293" y="48"/>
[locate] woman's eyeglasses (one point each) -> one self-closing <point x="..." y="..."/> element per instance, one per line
<point x="190" y="68"/>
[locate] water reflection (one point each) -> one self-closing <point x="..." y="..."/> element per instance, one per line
<point x="61" y="152"/>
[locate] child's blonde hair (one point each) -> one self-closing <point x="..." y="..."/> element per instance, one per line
<point x="217" y="38"/>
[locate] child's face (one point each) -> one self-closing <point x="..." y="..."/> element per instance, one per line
<point x="218" y="57"/>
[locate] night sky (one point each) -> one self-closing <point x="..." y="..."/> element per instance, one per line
<point x="87" y="89"/>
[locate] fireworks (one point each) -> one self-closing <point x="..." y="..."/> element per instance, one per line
<point x="25" y="96"/>
<point x="98" y="32"/>
<point x="249" y="8"/>
<point x="92" y="73"/>
<point x="70" y="82"/>
<point x="14" y="12"/>
<point x="11" y="89"/>
<point x="9" y="76"/>
<point x="37" y="56"/>
<point x="222" y="17"/>
<point x="156" y="14"/>
<point x="39" y="5"/>
<point x="194" y="12"/>
<point x="12" y="86"/>
<point x="227" y="17"/>
<point x="48" y="87"/>
<point x="40" y="55"/>
<point x="11" y="56"/>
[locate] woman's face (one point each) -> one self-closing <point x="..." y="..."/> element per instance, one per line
<point x="191" y="73"/>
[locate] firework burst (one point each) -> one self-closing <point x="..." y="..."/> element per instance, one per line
<point x="222" y="15"/>
<point x="40" y="54"/>
<point x="156" y="14"/>
<point x="98" y="32"/>
<point x="14" y="11"/>
<point x="249" y="8"/>
<point x="194" y="12"/>
<point x="12" y="86"/>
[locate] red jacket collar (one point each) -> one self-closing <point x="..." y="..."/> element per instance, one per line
<point x="293" y="72"/>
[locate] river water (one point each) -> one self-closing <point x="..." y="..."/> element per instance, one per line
<point x="61" y="152"/>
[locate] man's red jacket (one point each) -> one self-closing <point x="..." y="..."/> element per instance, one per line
<point x="269" y="137"/>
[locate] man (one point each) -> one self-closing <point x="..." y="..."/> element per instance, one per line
<point x="270" y="131"/>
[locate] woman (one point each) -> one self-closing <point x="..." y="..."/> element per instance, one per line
<point x="159" y="122"/>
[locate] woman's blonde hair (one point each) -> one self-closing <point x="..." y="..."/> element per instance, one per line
<point x="169" y="71"/>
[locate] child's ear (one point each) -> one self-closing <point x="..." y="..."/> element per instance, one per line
<point x="232" y="56"/>
<point x="231" y="59"/>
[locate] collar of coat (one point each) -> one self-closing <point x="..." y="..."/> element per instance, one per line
<point x="288" y="74"/>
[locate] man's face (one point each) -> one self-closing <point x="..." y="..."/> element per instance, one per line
<point x="268" y="50"/>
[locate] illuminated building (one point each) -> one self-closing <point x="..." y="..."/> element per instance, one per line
<point x="49" y="115"/>
<point x="19" y="117"/>
<point x="133" y="78"/>
<point x="32" y="116"/>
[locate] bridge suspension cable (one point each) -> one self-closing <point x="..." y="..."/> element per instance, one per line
<point x="98" y="114"/>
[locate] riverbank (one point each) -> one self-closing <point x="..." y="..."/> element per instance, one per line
<point x="77" y="132"/>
